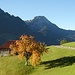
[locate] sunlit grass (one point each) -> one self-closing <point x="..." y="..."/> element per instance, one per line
<point x="58" y="61"/>
<point x="70" y="44"/>
<point x="11" y="65"/>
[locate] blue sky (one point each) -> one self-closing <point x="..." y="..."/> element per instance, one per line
<point x="59" y="12"/>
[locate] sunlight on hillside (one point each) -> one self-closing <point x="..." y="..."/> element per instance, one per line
<point x="58" y="61"/>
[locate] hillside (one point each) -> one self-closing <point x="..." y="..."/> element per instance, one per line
<point x="52" y="33"/>
<point x="11" y="65"/>
<point x="58" y="61"/>
<point x="70" y="44"/>
<point x="12" y="27"/>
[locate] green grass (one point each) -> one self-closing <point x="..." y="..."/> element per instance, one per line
<point x="11" y="65"/>
<point x="58" y="61"/>
<point x="70" y="44"/>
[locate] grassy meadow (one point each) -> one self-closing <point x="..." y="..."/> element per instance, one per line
<point x="11" y="65"/>
<point x="70" y="44"/>
<point x="58" y="61"/>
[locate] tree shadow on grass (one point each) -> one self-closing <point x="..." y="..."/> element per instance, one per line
<point x="62" y="62"/>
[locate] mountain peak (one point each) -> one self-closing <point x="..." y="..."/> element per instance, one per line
<point x="41" y="19"/>
<point x="38" y="20"/>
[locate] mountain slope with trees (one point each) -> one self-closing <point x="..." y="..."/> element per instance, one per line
<point x="40" y="27"/>
<point x="51" y="32"/>
<point x="11" y="27"/>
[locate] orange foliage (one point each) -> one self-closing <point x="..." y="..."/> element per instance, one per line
<point x="35" y="58"/>
<point x="29" y="48"/>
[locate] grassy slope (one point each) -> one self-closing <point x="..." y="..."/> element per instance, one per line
<point x="70" y="44"/>
<point x="11" y="65"/>
<point x="57" y="61"/>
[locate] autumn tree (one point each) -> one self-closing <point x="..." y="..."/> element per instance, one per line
<point x="30" y="49"/>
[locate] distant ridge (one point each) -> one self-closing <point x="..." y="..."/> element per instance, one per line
<point x="40" y="27"/>
<point x="52" y="33"/>
<point x="11" y="27"/>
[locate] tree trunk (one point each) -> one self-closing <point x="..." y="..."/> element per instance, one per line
<point x="26" y="62"/>
<point x="26" y="56"/>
